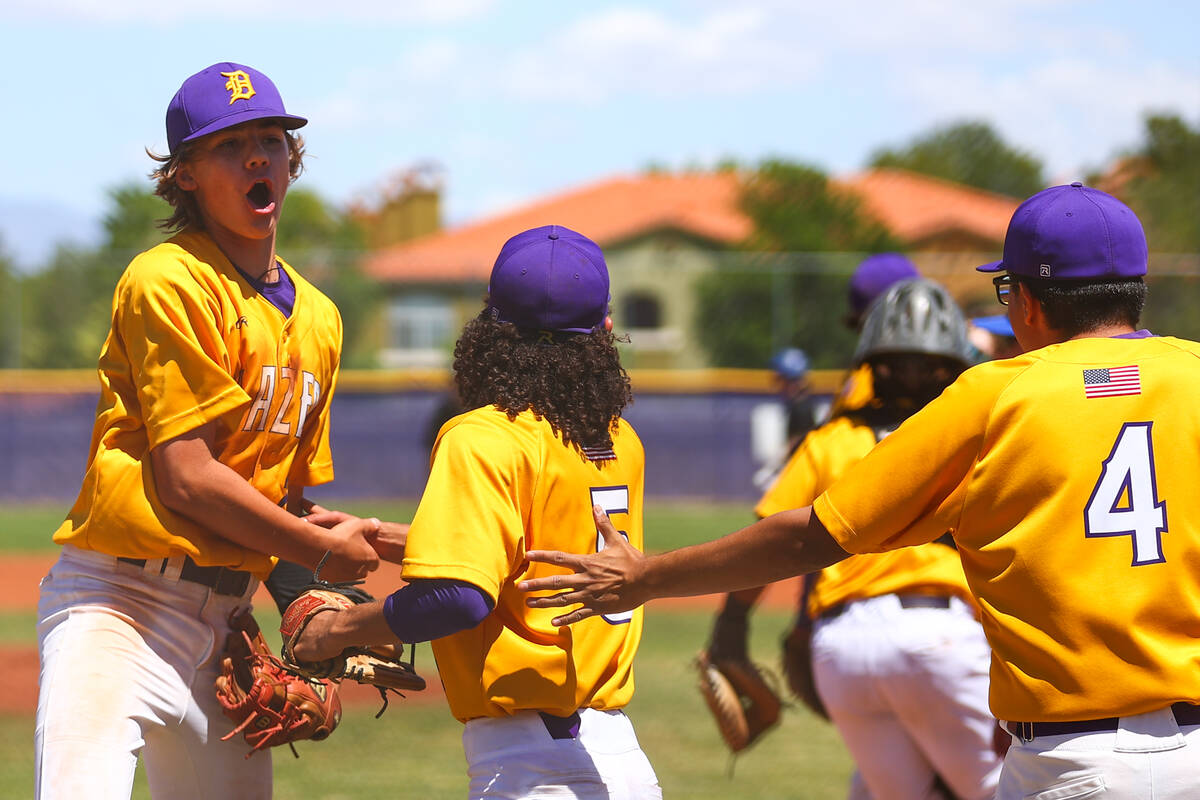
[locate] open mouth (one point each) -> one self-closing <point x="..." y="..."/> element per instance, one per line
<point x="260" y="196"/>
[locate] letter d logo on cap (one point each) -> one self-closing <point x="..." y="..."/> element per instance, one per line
<point x="239" y="85"/>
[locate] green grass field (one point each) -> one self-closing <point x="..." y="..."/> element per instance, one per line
<point x="27" y="529"/>
<point x="414" y="751"/>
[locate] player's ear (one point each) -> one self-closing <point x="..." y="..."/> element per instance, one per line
<point x="184" y="178"/>
<point x="1031" y="309"/>
<point x="608" y="324"/>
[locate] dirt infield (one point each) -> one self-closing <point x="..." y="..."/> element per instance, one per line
<point x="24" y="572"/>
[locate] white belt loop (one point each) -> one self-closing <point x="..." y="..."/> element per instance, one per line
<point x="1152" y="732"/>
<point x="173" y="568"/>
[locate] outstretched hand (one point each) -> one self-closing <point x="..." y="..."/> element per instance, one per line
<point x="605" y="582"/>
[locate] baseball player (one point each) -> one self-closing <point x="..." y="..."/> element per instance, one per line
<point x="543" y="445"/>
<point x="1067" y="478"/>
<point x="993" y="336"/>
<point x="900" y="661"/>
<point x="215" y="383"/>
<point x="777" y="427"/>
<point x="871" y="277"/>
<point x="790" y="366"/>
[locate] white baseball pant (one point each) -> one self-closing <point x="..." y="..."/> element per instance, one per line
<point x="128" y="662"/>
<point x="907" y="689"/>
<point x="1149" y="757"/>
<point x="518" y="758"/>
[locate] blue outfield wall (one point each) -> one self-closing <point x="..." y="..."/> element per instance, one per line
<point x="697" y="444"/>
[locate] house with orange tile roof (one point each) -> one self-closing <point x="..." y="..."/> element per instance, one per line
<point x="659" y="232"/>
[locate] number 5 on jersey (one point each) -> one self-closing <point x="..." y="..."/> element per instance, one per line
<point x="1125" y="501"/>
<point x="614" y="500"/>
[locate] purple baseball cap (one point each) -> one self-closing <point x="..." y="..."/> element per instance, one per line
<point x="1073" y="232"/>
<point x="550" y="278"/>
<point x="876" y="274"/>
<point x="221" y="96"/>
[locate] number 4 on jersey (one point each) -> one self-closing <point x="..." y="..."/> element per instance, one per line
<point x="1125" y="500"/>
<point x="614" y="500"/>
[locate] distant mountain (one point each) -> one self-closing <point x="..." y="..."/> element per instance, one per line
<point x="30" y="230"/>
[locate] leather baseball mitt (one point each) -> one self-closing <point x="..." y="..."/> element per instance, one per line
<point x="379" y="666"/>
<point x="269" y="704"/>
<point x="743" y="704"/>
<point x="797" y="668"/>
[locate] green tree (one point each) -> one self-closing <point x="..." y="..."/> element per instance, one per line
<point x="68" y="304"/>
<point x="327" y="245"/>
<point x="10" y="311"/>
<point x="1165" y="187"/>
<point x="131" y="224"/>
<point x="66" y="310"/>
<point x="796" y="209"/>
<point x="786" y="286"/>
<point x="968" y="152"/>
<point x="1160" y="180"/>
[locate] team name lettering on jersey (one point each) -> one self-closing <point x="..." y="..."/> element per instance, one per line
<point x="281" y="378"/>
<point x="239" y="85"/>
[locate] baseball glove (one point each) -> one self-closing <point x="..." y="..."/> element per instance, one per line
<point x="379" y="666"/>
<point x="744" y="705"/>
<point x="270" y="705"/>
<point x="797" y="668"/>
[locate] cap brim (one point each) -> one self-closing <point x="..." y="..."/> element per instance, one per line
<point x="995" y="266"/>
<point x="997" y="324"/>
<point x="288" y="121"/>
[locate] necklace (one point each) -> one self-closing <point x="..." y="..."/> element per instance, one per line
<point x="270" y="274"/>
<point x="264" y="278"/>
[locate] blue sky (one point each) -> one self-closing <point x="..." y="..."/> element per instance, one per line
<point x="513" y="100"/>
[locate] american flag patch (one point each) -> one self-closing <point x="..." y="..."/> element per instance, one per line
<point x="1112" y="382"/>
<point x="603" y="453"/>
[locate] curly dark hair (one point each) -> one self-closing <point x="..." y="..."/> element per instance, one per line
<point x="573" y="381"/>
<point x="186" y="212"/>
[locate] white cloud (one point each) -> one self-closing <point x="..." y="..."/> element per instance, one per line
<point x="432" y="60"/>
<point x="643" y="52"/>
<point x="912" y="29"/>
<point x="401" y="92"/>
<point x="292" y="11"/>
<point x="1050" y="77"/>
<point x="1074" y="113"/>
<point x="606" y="87"/>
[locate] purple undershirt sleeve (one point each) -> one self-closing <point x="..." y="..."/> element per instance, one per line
<point x="428" y="609"/>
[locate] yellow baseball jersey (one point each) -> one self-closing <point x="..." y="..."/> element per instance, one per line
<point x="821" y="459"/>
<point x="192" y="342"/>
<point x="1068" y="477"/>
<point x="858" y="390"/>
<point x="497" y="489"/>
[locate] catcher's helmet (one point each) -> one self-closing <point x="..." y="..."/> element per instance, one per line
<point x="914" y="316"/>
